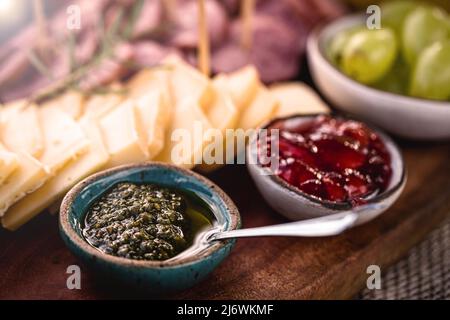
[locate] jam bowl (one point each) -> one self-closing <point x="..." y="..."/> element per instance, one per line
<point x="293" y="197"/>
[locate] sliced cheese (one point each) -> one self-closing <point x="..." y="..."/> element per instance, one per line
<point x="11" y="107"/>
<point x="260" y="110"/>
<point x="20" y="129"/>
<point x="154" y="116"/>
<point x="8" y="163"/>
<point x="29" y="175"/>
<point x="222" y="114"/>
<point x="150" y="80"/>
<point x="297" y="98"/>
<point x="123" y="136"/>
<point x="71" y="102"/>
<point x="97" y="105"/>
<point x="64" y="139"/>
<point x="188" y="133"/>
<point x="32" y="204"/>
<point x="242" y="84"/>
<point x="187" y="81"/>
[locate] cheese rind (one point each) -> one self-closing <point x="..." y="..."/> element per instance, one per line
<point x="297" y="98"/>
<point x="29" y="175"/>
<point x="20" y="129"/>
<point x="123" y="135"/>
<point x="32" y="204"/>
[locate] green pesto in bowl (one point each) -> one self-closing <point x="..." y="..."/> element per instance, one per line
<point x="146" y="221"/>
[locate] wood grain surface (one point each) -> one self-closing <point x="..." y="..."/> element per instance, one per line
<point x="33" y="260"/>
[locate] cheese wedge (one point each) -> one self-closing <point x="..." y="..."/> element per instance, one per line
<point x="70" y="102"/>
<point x="242" y="85"/>
<point x="263" y="107"/>
<point x="29" y="175"/>
<point x="64" y="139"/>
<point x="11" y="108"/>
<point x="187" y="81"/>
<point x="297" y="98"/>
<point x="20" y="130"/>
<point x="55" y="188"/>
<point x="222" y="114"/>
<point x="97" y="105"/>
<point x="123" y="135"/>
<point x="8" y="163"/>
<point x="149" y="80"/>
<point x="187" y="135"/>
<point x="154" y="116"/>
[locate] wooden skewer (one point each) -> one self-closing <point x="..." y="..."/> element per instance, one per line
<point x="169" y="9"/>
<point x="247" y="9"/>
<point x="39" y="16"/>
<point x="203" y="43"/>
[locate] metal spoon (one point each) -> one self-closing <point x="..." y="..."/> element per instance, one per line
<point x="317" y="227"/>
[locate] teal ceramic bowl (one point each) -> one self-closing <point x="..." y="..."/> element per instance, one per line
<point x="157" y="277"/>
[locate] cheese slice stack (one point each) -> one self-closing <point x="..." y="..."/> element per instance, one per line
<point x="297" y="98"/>
<point x="64" y="139"/>
<point x="70" y="102"/>
<point x="241" y="84"/>
<point x="8" y="163"/>
<point x="123" y="135"/>
<point x="154" y="115"/>
<point x="188" y="82"/>
<point x="20" y="129"/>
<point x="187" y="135"/>
<point x="97" y="105"/>
<point x="55" y="188"/>
<point x="29" y="175"/>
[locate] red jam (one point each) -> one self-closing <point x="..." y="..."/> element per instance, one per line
<point x="332" y="159"/>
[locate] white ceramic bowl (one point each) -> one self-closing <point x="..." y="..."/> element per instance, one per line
<point x="298" y="205"/>
<point x="401" y="115"/>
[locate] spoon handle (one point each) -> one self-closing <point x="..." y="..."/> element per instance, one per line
<point x="317" y="227"/>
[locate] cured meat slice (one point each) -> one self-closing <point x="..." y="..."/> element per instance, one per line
<point x="149" y="53"/>
<point x="275" y="50"/>
<point x="186" y="32"/>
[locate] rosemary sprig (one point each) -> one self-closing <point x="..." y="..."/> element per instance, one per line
<point x="71" y="43"/>
<point x="39" y="64"/>
<point x="109" y="38"/>
<point x="135" y="14"/>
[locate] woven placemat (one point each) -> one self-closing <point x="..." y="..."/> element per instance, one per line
<point x="423" y="274"/>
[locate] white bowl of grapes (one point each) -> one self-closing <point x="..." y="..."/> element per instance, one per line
<point x="396" y="76"/>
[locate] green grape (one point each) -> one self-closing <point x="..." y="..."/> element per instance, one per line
<point x="394" y="13"/>
<point x="369" y="55"/>
<point x="431" y="76"/>
<point x="422" y="27"/>
<point x="396" y="81"/>
<point x="338" y="43"/>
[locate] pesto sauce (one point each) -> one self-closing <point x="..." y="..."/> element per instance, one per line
<point x="145" y="221"/>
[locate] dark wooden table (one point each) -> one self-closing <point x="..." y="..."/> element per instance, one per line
<point x="33" y="260"/>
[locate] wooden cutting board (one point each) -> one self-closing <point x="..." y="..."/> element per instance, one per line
<point x="33" y="260"/>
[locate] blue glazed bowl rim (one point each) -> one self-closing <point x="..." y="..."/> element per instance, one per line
<point x="68" y="231"/>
